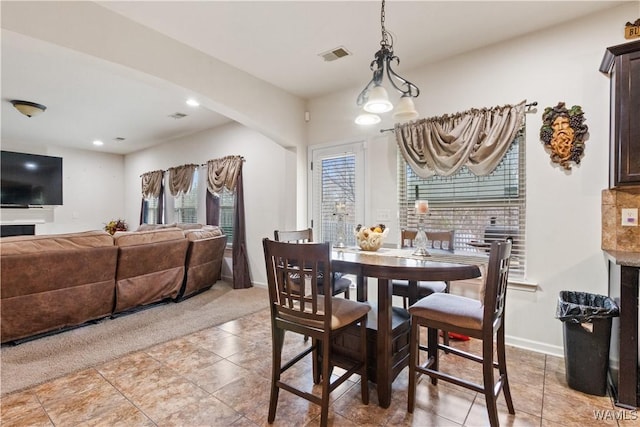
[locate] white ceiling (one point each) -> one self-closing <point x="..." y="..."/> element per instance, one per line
<point x="279" y="42"/>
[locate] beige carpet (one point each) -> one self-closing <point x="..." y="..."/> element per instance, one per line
<point x="43" y="359"/>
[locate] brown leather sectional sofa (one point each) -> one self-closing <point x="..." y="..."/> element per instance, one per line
<point x="52" y="282"/>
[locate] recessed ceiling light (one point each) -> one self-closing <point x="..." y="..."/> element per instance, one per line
<point x="192" y="102"/>
<point x="98" y="143"/>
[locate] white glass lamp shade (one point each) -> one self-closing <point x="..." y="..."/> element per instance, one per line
<point x="405" y="110"/>
<point x="28" y="108"/>
<point x="367" y="119"/>
<point x="378" y="101"/>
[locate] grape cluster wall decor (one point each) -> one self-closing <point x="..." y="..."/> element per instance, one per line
<point x="564" y="133"/>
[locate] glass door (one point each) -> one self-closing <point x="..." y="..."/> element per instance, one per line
<point x="337" y="192"/>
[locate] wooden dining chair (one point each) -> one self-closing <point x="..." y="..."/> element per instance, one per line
<point x="310" y="313"/>
<point x="436" y="240"/>
<point x="482" y="319"/>
<point x="340" y="283"/>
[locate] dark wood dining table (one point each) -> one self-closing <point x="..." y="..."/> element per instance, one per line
<point x="386" y="268"/>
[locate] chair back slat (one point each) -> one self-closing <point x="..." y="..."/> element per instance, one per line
<point x="496" y="283"/>
<point x="437" y="239"/>
<point x="299" y="236"/>
<point x="441" y="239"/>
<point x="293" y="270"/>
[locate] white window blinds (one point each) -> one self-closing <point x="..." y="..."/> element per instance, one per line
<point x="150" y="213"/>
<point x="227" y="201"/>
<point x="185" y="205"/>
<point x="479" y="209"/>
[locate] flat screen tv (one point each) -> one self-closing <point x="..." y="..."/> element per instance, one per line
<point x="30" y="180"/>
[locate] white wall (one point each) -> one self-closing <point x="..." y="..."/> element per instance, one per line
<point x="563" y="208"/>
<point x="268" y="173"/>
<point x="89" y="28"/>
<point x="93" y="186"/>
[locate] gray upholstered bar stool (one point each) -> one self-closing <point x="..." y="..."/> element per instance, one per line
<point x="483" y="320"/>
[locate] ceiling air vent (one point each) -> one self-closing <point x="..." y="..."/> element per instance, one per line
<point x="177" y="115"/>
<point x="334" y="54"/>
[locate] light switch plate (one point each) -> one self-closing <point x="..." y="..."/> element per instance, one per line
<point x="629" y="217"/>
<point x="383" y="215"/>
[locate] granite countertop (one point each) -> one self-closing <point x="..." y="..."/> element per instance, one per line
<point x="629" y="259"/>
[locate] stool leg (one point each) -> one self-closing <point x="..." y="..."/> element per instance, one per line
<point x="278" y="341"/>
<point x="364" y="381"/>
<point x="326" y="384"/>
<point x="502" y="368"/>
<point x="487" y="373"/>
<point x="432" y="342"/>
<point x="414" y="350"/>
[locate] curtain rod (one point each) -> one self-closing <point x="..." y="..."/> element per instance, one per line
<point x="200" y="165"/>
<point x="529" y="108"/>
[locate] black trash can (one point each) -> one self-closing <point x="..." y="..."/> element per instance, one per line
<point x="587" y="332"/>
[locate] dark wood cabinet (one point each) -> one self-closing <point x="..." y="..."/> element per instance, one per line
<point x="622" y="63"/>
<point x="624" y="364"/>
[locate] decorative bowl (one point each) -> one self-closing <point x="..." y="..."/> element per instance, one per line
<point x="371" y="238"/>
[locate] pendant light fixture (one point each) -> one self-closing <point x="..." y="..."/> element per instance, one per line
<point x="28" y="108"/>
<point x="374" y="98"/>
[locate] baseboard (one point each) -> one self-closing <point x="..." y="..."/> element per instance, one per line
<point x="539" y="347"/>
<point x="229" y="279"/>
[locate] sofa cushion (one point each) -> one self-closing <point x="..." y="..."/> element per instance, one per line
<point x="204" y="260"/>
<point x="203" y="233"/>
<point x="150" y="266"/>
<point x="147" y="227"/>
<point x="135" y="238"/>
<point x="51" y="282"/>
<point x="188" y="226"/>
<point x="55" y="242"/>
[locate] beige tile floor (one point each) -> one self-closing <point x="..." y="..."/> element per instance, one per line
<point x="220" y="377"/>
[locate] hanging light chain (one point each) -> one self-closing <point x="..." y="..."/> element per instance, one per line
<point x="385" y="36"/>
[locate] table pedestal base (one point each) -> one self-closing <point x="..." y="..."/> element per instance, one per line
<point x="347" y="343"/>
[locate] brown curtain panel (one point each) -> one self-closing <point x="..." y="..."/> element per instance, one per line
<point x="478" y="139"/>
<point x="152" y="187"/>
<point x="241" y="277"/>
<point x="222" y="173"/>
<point x="212" y="209"/>
<point x="160" y="213"/>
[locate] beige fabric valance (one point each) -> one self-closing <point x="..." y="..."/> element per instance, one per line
<point x="180" y="179"/>
<point x="152" y="184"/>
<point x="476" y="138"/>
<point x="223" y="173"/>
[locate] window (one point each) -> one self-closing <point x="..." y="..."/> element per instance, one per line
<point x="479" y="209"/>
<point x="185" y="206"/>
<point x="227" y="201"/>
<point x="150" y="210"/>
